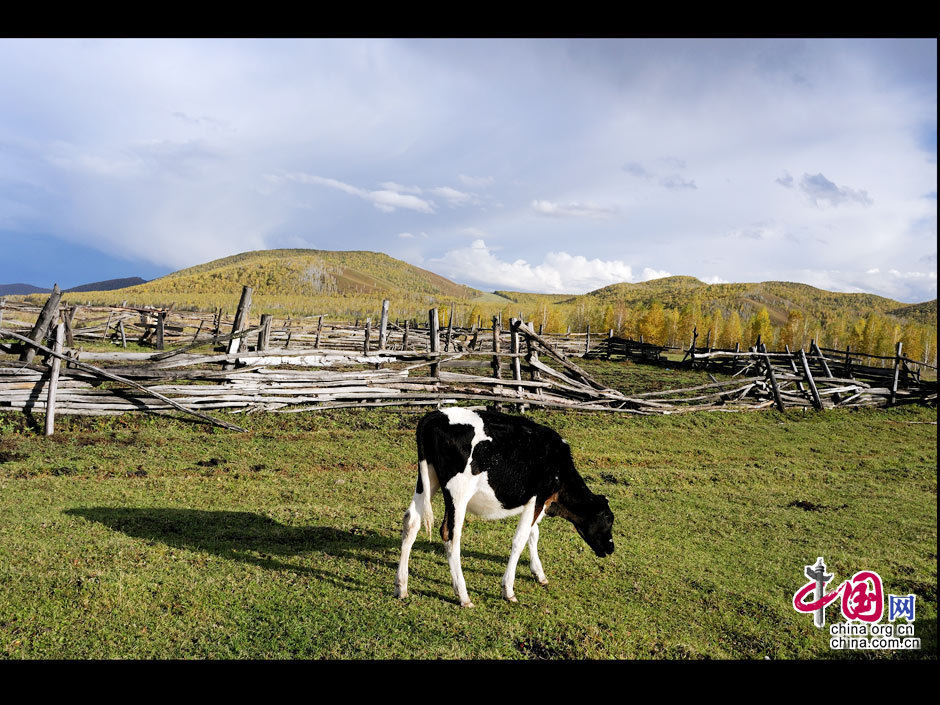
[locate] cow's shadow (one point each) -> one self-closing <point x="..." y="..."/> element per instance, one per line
<point x="259" y="540"/>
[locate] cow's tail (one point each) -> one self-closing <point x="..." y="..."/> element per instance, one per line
<point x="423" y="489"/>
<point x="424" y="504"/>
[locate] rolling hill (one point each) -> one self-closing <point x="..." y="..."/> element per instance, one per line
<point x="299" y="282"/>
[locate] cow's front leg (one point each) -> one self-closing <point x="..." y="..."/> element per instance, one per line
<point x="455" y="511"/>
<point x="523" y="530"/>
<point x="535" y="565"/>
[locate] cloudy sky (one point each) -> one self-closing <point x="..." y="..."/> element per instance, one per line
<point x="536" y="165"/>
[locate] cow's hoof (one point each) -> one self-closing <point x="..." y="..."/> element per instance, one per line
<point x="401" y="594"/>
<point x="466" y="604"/>
<point x="543" y="582"/>
<point x="510" y="598"/>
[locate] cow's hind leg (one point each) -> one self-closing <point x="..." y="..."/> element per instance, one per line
<point x="418" y="513"/>
<point x="455" y="511"/>
<point x="535" y="565"/>
<point x="523" y="531"/>
<point x="411" y="525"/>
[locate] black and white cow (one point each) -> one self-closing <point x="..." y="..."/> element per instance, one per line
<point x="496" y="465"/>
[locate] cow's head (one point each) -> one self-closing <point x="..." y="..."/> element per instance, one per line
<point x="595" y="522"/>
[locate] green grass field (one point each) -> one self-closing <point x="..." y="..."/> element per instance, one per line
<point x="153" y="537"/>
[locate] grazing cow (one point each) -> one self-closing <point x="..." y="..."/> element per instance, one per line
<point x="496" y="466"/>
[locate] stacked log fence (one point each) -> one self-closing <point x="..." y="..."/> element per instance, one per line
<point x="253" y="367"/>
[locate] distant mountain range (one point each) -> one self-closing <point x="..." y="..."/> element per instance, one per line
<point x="107" y="285"/>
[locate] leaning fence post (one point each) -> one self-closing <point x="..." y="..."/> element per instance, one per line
<point x="799" y="385"/>
<point x="41" y="327"/>
<point x="587" y="339"/>
<point x="773" y="379"/>
<point x="404" y="337"/>
<point x="514" y="349"/>
<point x="264" y="335"/>
<point x="368" y="336"/>
<point x="433" y="341"/>
<point x="817" y="401"/>
<point x="161" y="328"/>
<point x="69" y="319"/>
<point x="383" y="326"/>
<point x="450" y="329"/>
<point x="240" y="323"/>
<point x="319" y="330"/>
<point x="894" y="378"/>
<point x="495" y="364"/>
<point x="54" y="380"/>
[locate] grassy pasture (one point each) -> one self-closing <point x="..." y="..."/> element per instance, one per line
<point x="152" y="537"/>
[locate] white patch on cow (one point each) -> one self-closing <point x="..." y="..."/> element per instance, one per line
<point x="457" y="414"/>
<point x="485" y="504"/>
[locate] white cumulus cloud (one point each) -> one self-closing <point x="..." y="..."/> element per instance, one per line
<point x="559" y="272"/>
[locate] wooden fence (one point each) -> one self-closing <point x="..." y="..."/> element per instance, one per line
<point x="391" y="364"/>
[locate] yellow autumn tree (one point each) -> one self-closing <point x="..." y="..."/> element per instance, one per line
<point x="759" y="326"/>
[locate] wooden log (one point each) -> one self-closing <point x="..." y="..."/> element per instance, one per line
<point x="69" y="319"/>
<point x="107" y="326"/>
<point x="383" y="326"/>
<point x="367" y="338"/>
<point x="799" y="385"/>
<point x="41" y="327"/>
<point x="514" y="348"/>
<point x="894" y="377"/>
<point x="239" y="324"/>
<point x="497" y="369"/>
<point x="198" y="331"/>
<point x="264" y="336"/>
<point x="123" y="335"/>
<point x="817" y="401"/>
<point x="433" y="339"/>
<point x="161" y="328"/>
<point x="404" y="337"/>
<point x="319" y="331"/>
<point x="587" y="339"/>
<point x="773" y="381"/>
<point x="54" y="380"/>
<point x="450" y="329"/>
